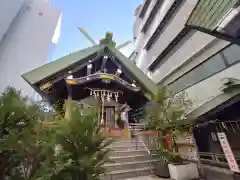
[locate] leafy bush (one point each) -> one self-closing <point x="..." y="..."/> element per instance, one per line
<point x="166" y="114"/>
<point x="83" y="148"/>
<point x="39" y="145"/>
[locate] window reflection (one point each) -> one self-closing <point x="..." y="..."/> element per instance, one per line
<point x="206" y="69"/>
<point x="232" y="54"/>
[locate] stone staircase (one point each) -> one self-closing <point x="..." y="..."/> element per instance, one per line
<point x="130" y="159"/>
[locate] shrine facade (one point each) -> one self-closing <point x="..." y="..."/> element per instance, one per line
<point x="98" y="73"/>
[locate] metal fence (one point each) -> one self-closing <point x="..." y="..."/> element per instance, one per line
<point x="216" y="159"/>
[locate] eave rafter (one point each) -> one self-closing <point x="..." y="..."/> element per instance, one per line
<point x="47" y="83"/>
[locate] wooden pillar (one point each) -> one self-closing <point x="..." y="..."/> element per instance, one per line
<point x="102" y="111"/>
<point x="68" y="103"/>
<point x="116" y="116"/>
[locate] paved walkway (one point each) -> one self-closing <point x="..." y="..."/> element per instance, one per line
<point x="147" y="178"/>
<point x="150" y="178"/>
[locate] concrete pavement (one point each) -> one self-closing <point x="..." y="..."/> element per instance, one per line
<point x="146" y="178"/>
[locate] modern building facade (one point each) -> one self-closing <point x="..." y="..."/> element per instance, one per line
<point x="29" y="31"/>
<point x="192" y="46"/>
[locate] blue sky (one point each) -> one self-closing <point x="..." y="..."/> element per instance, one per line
<point x="96" y="17"/>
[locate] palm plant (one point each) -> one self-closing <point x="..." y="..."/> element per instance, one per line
<point x="166" y="114"/>
<point x="83" y="149"/>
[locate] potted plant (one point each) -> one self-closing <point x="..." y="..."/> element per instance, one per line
<point x="167" y="117"/>
<point x="157" y="124"/>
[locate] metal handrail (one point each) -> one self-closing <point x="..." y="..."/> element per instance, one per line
<point x="150" y="142"/>
<point x="215" y="158"/>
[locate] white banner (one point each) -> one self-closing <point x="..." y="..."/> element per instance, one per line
<point x="228" y="152"/>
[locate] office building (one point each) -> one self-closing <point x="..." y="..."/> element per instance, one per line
<point x="29" y="32"/>
<point x="192" y="46"/>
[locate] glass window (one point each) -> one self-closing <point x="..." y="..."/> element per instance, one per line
<point x="152" y="16"/>
<point x="232" y="54"/>
<point x="144" y="9"/>
<point x="177" y="4"/>
<point x="204" y="70"/>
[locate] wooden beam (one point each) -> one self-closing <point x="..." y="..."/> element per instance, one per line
<point x="102" y="76"/>
<point x="113" y="58"/>
<point x="104" y="62"/>
<point x="63" y="75"/>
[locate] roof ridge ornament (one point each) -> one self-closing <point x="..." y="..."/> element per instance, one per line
<point x="107" y="40"/>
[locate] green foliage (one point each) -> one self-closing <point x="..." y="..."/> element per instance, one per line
<point x="40" y="145"/>
<point x="83" y="148"/>
<point x="17" y="118"/>
<point x="166" y="113"/>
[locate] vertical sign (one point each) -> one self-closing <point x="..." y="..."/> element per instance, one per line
<point x="228" y="152"/>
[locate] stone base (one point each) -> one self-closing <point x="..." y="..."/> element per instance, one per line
<point x="161" y="169"/>
<point x="216" y="173"/>
<point x="183" y="172"/>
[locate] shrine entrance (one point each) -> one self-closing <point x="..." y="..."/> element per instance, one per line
<point x="109" y="116"/>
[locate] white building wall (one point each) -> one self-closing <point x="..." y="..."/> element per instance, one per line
<point x="150" y="8"/>
<point x="136" y="29"/>
<point x="199" y="57"/>
<point x="206" y="90"/>
<point x="195" y="50"/>
<point x="195" y="44"/>
<point x="8" y="11"/>
<point x="168" y="35"/>
<point x="157" y="19"/>
<point x="26" y="45"/>
<point x="142" y="55"/>
<point x="143" y="38"/>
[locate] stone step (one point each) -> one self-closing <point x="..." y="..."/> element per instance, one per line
<point x="135" y="129"/>
<point x="130" y="173"/>
<point x="128" y="153"/>
<point x="126" y="143"/>
<point x="128" y="148"/>
<point x="122" y="159"/>
<point x="128" y="140"/>
<point x="129" y="165"/>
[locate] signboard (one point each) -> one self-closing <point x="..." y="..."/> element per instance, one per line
<point x="228" y="152"/>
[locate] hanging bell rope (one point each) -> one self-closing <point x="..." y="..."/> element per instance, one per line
<point x="108" y="94"/>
